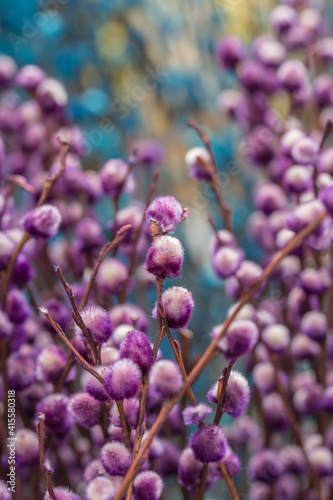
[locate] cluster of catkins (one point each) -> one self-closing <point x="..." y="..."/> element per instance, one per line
<point x="84" y="361"/>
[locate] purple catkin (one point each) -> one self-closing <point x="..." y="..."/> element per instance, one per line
<point x="5" y="494"/>
<point x="51" y="95"/>
<point x="292" y="75"/>
<point x="208" y="443"/>
<point x="166" y="378"/>
<point x="265" y="466"/>
<point x="165" y="257"/>
<point x="129" y="314"/>
<point x="42" y="222"/>
<point x="20" y="370"/>
<point x="58" y="420"/>
<point x="304" y="151"/>
<point x="17" y="307"/>
<point x="298" y="179"/>
<point x="321" y="459"/>
<point x="314" y="324"/>
<point x="327" y="399"/>
<point x="269" y="198"/>
<point x="85" y="409"/>
<point x="326" y="196"/>
<point x="195" y="415"/>
<point x="248" y="273"/>
<point x="287" y="487"/>
<point x="89" y="234"/>
<point x="229" y="51"/>
<point x="50" y="364"/>
<point x="116" y="458"/>
<point x="137" y="347"/>
<point x="260" y="491"/>
<point x="113" y="175"/>
<point x="101" y="488"/>
<point x="148" y="153"/>
<point x="269" y="51"/>
<point x="98" y="322"/>
<point x="276" y="338"/>
<point x="26" y="448"/>
<point x="314" y="281"/>
<point x="303" y="214"/>
<point x="119" y="335"/>
<point x="22" y="271"/>
<point x="109" y="355"/>
<point x="292" y="459"/>
<point x="288" y="140"/>
<point x="307" y="399"/>
<point x="175" y="421"/>
<point x="178" y="305"/>
<point x="62" y="494"/>
<point x="93" y="469"/>
<point x="226" y="261"/>
<point x="122" y="379"/>
<point x="275" y="413"/>
<point x="6" y="326"/>
<point x="260" y="144"/>
<point x="167" y="463"/>
<point x="189" y="469"/>
<point x="131" y="408"/>
<point x="231" y="462"/>
<point x="241" y="337"/>
<point x="29" y="77"/>
<point x="165" y="211"/>
<point x="112" y="276"/>
<point x="147" y="486"/>
<point x="282" y="18"/>
<point x="237" y="394"/>
<point x="93" y="386"/>
<point x="8" y="71"/>
<point x="303" y="348"/>
<point x="58" y="312"/>
<point x="199" y="162"/>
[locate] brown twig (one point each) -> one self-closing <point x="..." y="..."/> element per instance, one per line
<point x="21" y="182"/>
<point x="77" y="356"/>
<point x="205" y="358"/>
<point x="221" y="392"/>
<point x="124" y="424"/>
<point x="77" y="315"/>
<point x="224" y="209"/>
<point x="47" y="471"/>
<point x="108" y="247"/>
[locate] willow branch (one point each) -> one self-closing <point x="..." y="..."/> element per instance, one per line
<point x="204" y="360"/>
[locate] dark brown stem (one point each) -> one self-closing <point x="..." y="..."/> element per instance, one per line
<point x="205" y="358"/>
<point x="224" y="209"/>
<point x="221" y="392"/>
<point x="47" y="472"/>
<point x="77" y="356"/>
<point x="229" y="481"/>
<point x="108" y="247"/>
<point x="124" y="424"/>
<point x="203" y="481"/>
<point x="77" y="315"/>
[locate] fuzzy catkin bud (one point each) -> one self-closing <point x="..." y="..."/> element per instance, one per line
<point x="178" y="305"/>
<point x="62" y="494"/>
<point x="42" y="222"/>
<point x="122" y="379"/>
<point x="276" y="338"/>
<point x="199" y="163"/>
<point x="131" y="409"/>
<point x="112" y="276"/>
<point x="208" y="443"/>
<point x="113" y="175"/>
<point x="50" y="363"/>
<point x="237" y="394"/>
<point x="136" y="346"/>
<point x="265" y="466"/>
<point x="241" y="337"/>
<point x="101" y="488"/>
<point x="147" y="486"/>
<point x="226" y="261"/>
<point x="5" y="494"/>
<point x="84" y="409"/>
<point x="26" y="448"/>
<point x="189" y="469"/>
<point x="98" y="322"/>
<point x="165" y="257"/>
<point x="115" y="458"/>
<point x="93" y="386"/>
<point x="166" y="378"/>
<point x="165" y="211"/>
<point x="195" y="415"/>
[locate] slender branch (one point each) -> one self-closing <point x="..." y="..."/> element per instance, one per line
<point x="203" y="481"/>
<point x="77" y="356"/>
<point x="77" y="315"/>
<point x="124" y="424"/>
<point x="205" y="358"/>
<point x="229" y="481"/>
<point x="222" y="389"/>
<point x="108" y="247"/>
<point x="47" y="471"/>
<point x="21" y="182"/>
<point x="224" y="209"/>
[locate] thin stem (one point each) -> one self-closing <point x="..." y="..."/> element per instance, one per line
<point x="77" y="315"/>
<point x="47" y="472"/>
<point x="205" y="358"/>
<point x="229" y="481"/>
<point x="108" y="247"/>
<point x="202" y="486"/>
<point x="124" y="424"/>
<point x="77" y="356"/>
<point x="224" y="209"/>
<point x="222" y="389"/>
